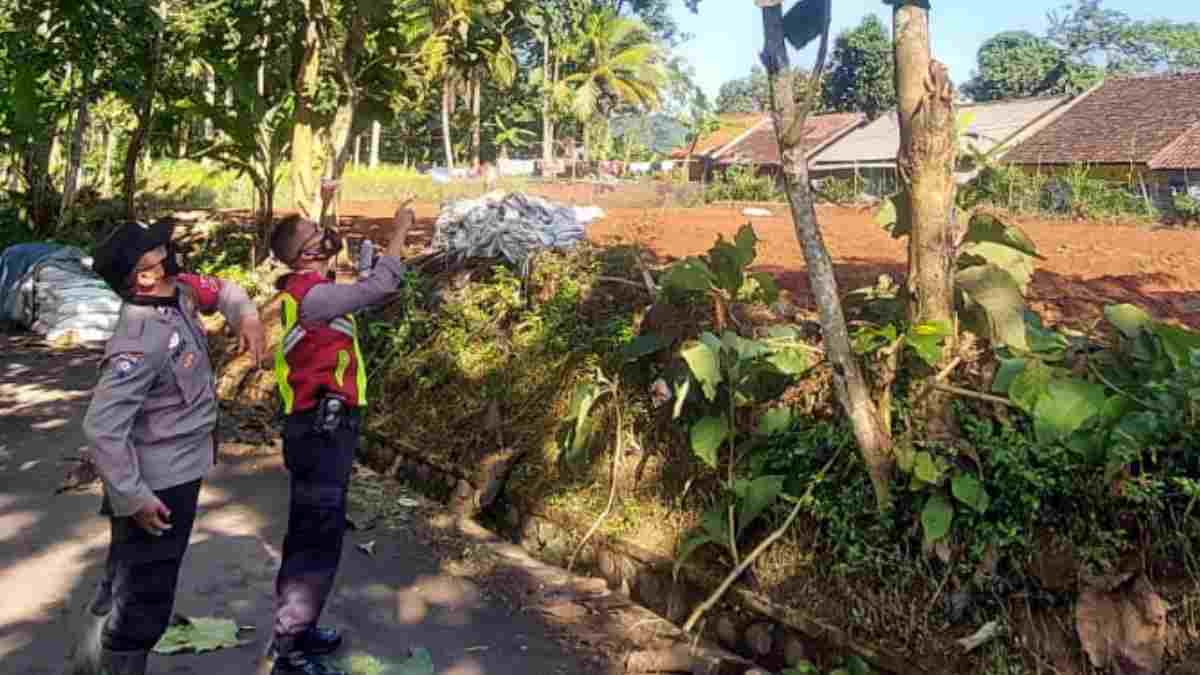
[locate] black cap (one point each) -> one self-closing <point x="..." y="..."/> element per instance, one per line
<point x="117" y="256"/>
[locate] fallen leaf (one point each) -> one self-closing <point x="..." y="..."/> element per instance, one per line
<point x="198" y="635"/>
<point x="368" y="548"/>
<point x="981" y="637"/>
<point x="1123" y="630"/>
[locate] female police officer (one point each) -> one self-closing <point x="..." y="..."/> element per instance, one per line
<point x="150" y="425"/>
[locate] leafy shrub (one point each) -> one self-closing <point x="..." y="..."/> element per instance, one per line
<point x="840" y="191"/>
<point x="740" y="184"/>
<point x="1187" y="207"/>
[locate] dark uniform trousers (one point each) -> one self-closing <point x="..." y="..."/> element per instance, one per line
<point x="141" y="572"/>
<point x="319" y="463"/>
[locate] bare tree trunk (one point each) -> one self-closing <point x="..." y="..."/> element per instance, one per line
<point x="376" y="131"/>
<point x="547" y="100"/>
<point x="78" y="134"/>
<point x="476" y="136"/>
<point x="306" y="155"/>
<point x="447" y="101"/>
<point x="145" y="117"/>
<point x="357" y="150"/>
<point x="926" y="160"/>
<point x="874" y="440"/>
<point x="110" y="149"/>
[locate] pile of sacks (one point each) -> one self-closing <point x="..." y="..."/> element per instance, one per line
<point x="53" y="291"/>
<point x="510" y="226"/>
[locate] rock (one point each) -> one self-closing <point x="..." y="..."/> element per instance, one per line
<point x="760" y="639"/>
<point x="794" y="650"/>
<point x="727" y="632"/>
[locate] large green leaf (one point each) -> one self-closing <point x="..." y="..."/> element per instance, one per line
<point x="745" y="243"/>
<point x="791" y="362"/>
<point x="707" y="435"/>
<point x="705" y="363"/>
<point x="926" y="340"/>
<point x="1020" y="266"/>
<point x="968" y="490"/>
<point x="937" y="517"/>
<point x="1067" y="405"/>
<point x="643" y="346"/>
<point x="1007" y="372"/>
<point x="198" y="635"/>
<point x="1129" y="319"/>
<point x="927" y="469"/>
<point x="761" y="383"/>
<point x="776" y="421"/>
<point x="691" y="274"/>
<point x="987" y="228"/>
<point x="760" y="495"/>
<point x="1030" y="385"/>
<point x="805" y="21"/>
<point x="1178" y="343"/>
<point x="997" y="293"/>
<point x="727" y="267"/>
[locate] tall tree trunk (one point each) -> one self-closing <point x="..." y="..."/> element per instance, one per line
<point x="926" y="159"/>
<point x="145" y="115"/>
<point x="357" y="150"/>
<point x="447" y="102"/>
<point x="110" y="149"/>
<point x="376" y="132"/>
<point x="476" y="116"/>
<point x="307" y="160"/>
<point x="78" y="134"/>
<point x="874" y="440"/>
<point x="547" y="102"/>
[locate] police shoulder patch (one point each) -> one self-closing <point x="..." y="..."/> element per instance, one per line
<point x="126" y="363"/>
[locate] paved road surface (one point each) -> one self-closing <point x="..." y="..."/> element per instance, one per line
<point x="51" y="548"/>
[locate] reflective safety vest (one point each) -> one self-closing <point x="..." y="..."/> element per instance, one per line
<point x="315" y="359"/>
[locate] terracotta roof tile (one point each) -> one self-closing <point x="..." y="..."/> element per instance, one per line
<point x="732" y="126"/>
<point x="761" y="145"/>
<point x="1131" y="119"/>
<point x="1182" y="153"/>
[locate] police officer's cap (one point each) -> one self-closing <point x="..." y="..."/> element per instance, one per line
<point x="117" y="256"/>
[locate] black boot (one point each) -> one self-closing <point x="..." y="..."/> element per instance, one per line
<point x="289" y="660"/>
<point x="123" y="663"/>
<point x="317" y="641"/>
<point x="85" y="659"/>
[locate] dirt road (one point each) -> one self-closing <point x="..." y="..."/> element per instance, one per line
<point x="51" y="548"/>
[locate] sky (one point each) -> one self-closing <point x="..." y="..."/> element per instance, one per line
<point x="728" y="33"/>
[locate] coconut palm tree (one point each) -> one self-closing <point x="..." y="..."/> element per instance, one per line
<point x="620" y="64"/>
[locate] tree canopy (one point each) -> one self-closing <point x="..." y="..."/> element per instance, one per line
<point x="862" y="70"/>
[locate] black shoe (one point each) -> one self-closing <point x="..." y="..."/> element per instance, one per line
<point x="297" y="663"/>
<point x="317" y="641"/>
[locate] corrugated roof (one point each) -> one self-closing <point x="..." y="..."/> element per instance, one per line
<point x="1129" y="119"/>
<point x="761" y="146"/>
<point x="877" y="143"/>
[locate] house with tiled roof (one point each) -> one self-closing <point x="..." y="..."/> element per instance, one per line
<point x="868" y="154"/>
<point x="749" y="140"/>
<point x="1144" y="130"/>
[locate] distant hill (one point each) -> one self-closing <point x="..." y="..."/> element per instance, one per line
<point x="662" y="133"/>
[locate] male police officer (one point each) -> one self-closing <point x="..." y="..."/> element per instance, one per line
<point x="322" y="383"/>
<point x="150" y="425"/>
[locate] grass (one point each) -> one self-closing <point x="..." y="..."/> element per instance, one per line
<point x="200" y="186"/>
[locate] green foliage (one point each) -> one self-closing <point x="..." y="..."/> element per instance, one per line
<point x="1019" y="64"/>
<point x="1187" y="207"/>
<point x="841" y="190"/>
<point x="198" y="635"/>
<point x="862" y="71"/>
<point x="752" y="94"/>
<point x="852" y="665"/>
<point x="741" y="184"/>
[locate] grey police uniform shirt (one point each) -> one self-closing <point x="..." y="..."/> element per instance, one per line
<point x="152" y="416"/>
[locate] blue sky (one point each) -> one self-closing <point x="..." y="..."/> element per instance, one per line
<point x="728" y="33"/>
